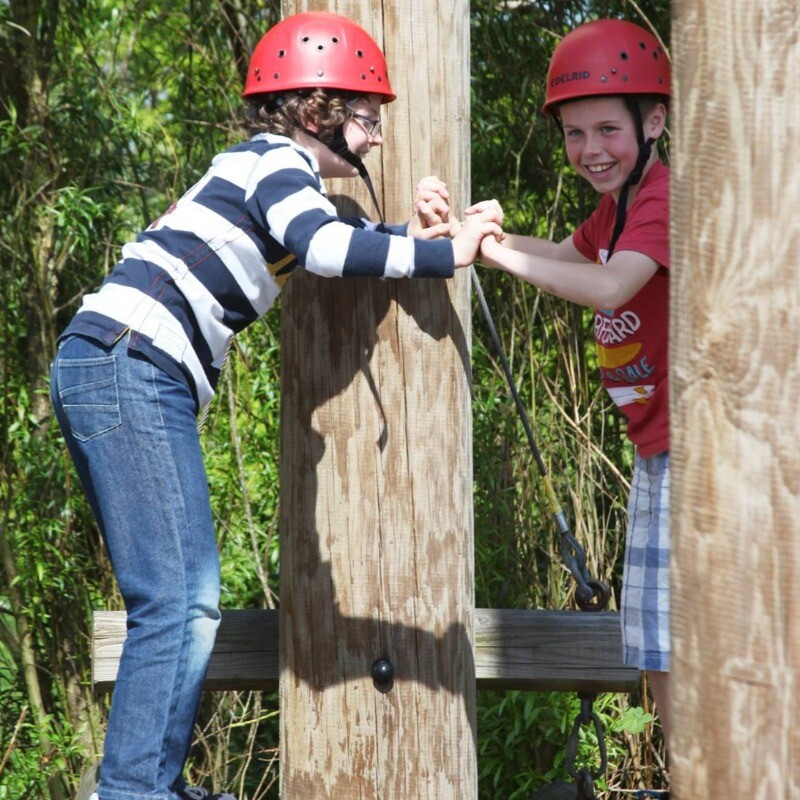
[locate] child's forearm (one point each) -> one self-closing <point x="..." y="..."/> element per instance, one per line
<point x="584" y="284"/>
<point x="523" y="264"/>
<point x="532" y="245"/>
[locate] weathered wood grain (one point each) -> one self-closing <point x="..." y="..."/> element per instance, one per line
<point x="376" y="467"/>
<point x="514" y="649"/>
<point x="550" y="651"/>
<point x="735" y="389"/>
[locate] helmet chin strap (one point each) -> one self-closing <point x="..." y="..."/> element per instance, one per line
<point x="645" y="150"/>
<point x="340" y="147"/>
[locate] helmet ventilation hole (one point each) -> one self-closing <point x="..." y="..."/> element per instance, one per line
<point x="319" y="49"/>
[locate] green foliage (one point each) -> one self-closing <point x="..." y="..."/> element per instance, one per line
<point x="113" y="111"/>
<point x="110" y="110"/>
<point x="241" y="446"/>
<point x="522" y="738"/>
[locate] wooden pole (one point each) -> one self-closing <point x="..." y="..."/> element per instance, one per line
<point x="376" y="468"/>
<point x="736" y="394"/>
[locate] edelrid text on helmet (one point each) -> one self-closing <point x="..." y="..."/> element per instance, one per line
<point x="318" y="49"/>
<point x="606" y="57"/>
<point x="556" y="80"/>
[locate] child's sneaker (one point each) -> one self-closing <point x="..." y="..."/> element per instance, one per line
<point x="199" y="793"/>
<point x="193" y="793"/>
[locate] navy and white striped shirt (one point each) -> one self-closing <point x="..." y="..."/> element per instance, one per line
<point x="217" y="259"/>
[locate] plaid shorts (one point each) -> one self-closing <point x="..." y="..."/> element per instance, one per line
<point x="645" y="580"/>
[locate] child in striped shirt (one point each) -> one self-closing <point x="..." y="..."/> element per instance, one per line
<point x="139" y="361"/>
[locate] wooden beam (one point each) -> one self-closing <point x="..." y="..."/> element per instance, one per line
<point x="376" y="465"/>
<point x="734" y="386"/>
<point x="514" y="649"/>
<point x="550" y="651"/>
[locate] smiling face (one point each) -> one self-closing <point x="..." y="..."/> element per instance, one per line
<point x="601" y="141"/>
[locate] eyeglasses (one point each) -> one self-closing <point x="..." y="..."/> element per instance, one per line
<point x="372" y="127"/>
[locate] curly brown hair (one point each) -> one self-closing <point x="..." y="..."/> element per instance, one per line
<point x="284" y="113"/>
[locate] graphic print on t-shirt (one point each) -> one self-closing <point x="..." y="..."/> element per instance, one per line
<point x="620" y="358"/>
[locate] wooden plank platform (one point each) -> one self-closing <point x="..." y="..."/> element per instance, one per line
<point x="514" y="649"/>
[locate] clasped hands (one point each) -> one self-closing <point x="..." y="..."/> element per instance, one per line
<point x="478" y="233"/>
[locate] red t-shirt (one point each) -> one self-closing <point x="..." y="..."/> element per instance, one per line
<point x="632" y="340"/>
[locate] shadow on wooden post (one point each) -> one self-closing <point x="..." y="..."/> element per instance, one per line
<point x="376" y="554"/>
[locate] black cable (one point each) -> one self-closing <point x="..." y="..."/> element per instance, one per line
<point x="591" y="594"/>
<point x="507" y="371"/>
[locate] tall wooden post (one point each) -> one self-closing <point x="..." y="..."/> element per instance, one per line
<point x="736" y="399"/>
<point x="376" y="468"/>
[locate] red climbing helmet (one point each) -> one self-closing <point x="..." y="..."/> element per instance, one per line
<point x="318" y="49"/>
<point x="606" y="56"/>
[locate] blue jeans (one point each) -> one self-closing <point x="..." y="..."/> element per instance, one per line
<point x="131" y="430"/>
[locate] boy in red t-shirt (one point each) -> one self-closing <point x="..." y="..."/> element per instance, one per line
<point x="608" y="87"/>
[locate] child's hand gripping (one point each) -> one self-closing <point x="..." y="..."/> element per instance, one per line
<point x="431" y="217"/>
<point x="483" y="222"/>
<point x="490" y="246"/>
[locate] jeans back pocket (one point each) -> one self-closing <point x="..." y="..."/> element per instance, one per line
<point x="87" y="390"/>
